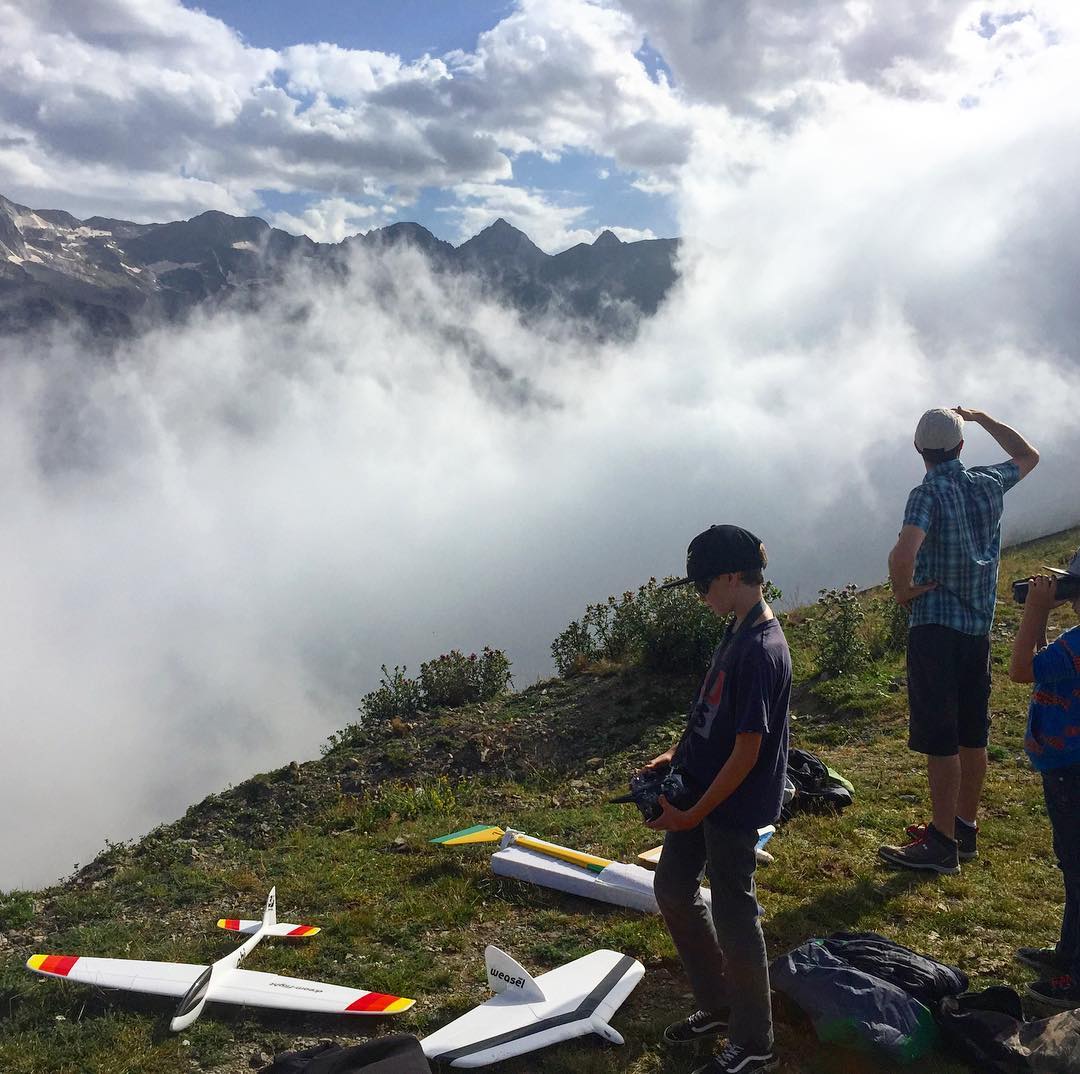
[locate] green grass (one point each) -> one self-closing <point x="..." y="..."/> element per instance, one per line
<point x="402" y="915"/>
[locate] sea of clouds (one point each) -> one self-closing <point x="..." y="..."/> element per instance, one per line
<point x="213" y="536"/>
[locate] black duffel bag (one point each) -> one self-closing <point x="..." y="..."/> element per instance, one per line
<point x="398" y="1053"/>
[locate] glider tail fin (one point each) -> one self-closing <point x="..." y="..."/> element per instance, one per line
<point x="505" y="974"/>
<point x="269" y="926"/>
<point x="602" y="1029"/>
<point x="270" y="913"/>
<point x="478" y="833"/>
<point x="239" y="924"/>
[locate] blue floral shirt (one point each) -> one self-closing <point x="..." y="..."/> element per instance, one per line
<point x="1053" y="730"/>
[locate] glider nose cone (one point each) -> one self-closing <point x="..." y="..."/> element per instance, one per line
<point x="182" y="1021"/>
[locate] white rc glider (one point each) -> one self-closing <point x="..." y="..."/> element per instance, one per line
<point x="524" y="857"/>
<point x="528" y="1013"/>
<point x="223" y="981"/>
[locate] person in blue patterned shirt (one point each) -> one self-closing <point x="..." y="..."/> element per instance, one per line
<point x="1052" y="742"/>
<point x="944" y="570"/>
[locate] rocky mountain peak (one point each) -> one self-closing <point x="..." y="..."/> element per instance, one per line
<point x="502" y="238"/>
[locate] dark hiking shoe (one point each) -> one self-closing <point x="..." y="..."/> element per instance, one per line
<point x="1059" y="993"/>
<point x="737" y="1060"/>
<point x="701" y="1025"/>
<point x="967" y="838"/>
<point x="928" y="850"/>
<point x="1044" y="960"/>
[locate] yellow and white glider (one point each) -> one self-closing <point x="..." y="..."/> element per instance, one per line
<point x="222" y="981"/>
<point x="536" y="861"/>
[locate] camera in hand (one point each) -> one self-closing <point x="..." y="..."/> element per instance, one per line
<point x="647" y="787"/>
<point x="1067" y="588"/>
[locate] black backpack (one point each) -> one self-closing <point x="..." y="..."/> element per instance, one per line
<point x="817" y="790"/>
<point x="988" y="1030"/>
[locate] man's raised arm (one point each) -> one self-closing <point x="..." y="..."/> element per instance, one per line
<point x="1009" y="440"/>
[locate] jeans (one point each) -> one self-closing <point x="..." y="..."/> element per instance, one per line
<point x="723" y="953"/>
<point x="1061" y="787"/>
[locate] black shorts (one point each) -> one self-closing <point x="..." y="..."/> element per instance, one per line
<point x="948" y="689"/>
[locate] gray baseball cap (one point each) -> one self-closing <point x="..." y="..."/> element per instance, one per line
<point x="939" y="430"/>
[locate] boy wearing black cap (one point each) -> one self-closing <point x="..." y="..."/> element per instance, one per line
<point x="733" y="753"/>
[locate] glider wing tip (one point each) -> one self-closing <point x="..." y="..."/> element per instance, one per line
<point x="54" y="965"/>
<point x="379" y="1003"/>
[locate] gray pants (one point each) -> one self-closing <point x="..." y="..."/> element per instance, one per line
<point x="723" y="953"/>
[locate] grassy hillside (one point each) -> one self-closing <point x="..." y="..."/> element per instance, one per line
<point x="345" y="839"/>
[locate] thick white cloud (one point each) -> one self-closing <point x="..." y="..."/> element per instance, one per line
<point x="331" y="219"/>
<point x="350" y="75"/>
<point x="559" y="74"/>
<point x="958" y="207"/>
<point x="124" y="91"/>
<point x="779" y="59"/>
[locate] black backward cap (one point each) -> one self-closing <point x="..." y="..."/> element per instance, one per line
<point x="721" y="550"/>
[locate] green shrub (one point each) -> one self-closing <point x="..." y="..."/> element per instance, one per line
<point x="494" y="673"/>
<point x="409" y="802"/>
<point x="16" y="909"/>
<point x="573" y="649"/>
<point x="663" y="629"/>
<point x="393" y="798"/>
<point x="886" y="626"/>
<point x="454" y="679"/>
<point x="448" y="681"/>
<point x="397" y="696"/>
<point x="896" y="626"/>
<point x="837" y="630"/>
<point x="679" y="632"/>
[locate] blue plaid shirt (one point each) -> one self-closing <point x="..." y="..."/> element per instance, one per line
<point x="959" y="510"/>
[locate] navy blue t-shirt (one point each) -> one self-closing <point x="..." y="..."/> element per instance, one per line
<point x="747" y="690"/>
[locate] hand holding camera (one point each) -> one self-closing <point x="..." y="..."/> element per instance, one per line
<point x="1062" y="588"/>
<point x="653" y="782"/>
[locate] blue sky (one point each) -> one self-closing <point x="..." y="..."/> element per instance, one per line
<point x="408" y="27"/>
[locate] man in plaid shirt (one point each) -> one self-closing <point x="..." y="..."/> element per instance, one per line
<point x="944" y="570"/>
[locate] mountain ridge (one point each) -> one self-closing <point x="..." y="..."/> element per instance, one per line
<point x="117" y="277"/>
